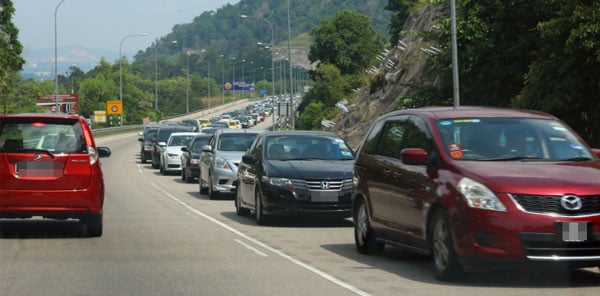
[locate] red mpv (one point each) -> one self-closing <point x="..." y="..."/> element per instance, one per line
<point x="49" y="167"/>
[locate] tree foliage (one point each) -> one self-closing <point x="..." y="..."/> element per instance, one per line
<point x="400" y="10"/>
<point x="347" y="41"/>
<point x="10" y="47"/>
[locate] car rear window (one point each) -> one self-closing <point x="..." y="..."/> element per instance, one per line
<point x="57" y="136"/>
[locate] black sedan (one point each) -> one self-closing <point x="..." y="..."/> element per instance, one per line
<point x="190" y="158"/>
<point x="295" y="172"/>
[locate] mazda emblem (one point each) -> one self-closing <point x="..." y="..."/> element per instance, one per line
<point x="571" y="202"/>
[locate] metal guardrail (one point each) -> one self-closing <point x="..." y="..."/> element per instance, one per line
<point x="140" y="127"/>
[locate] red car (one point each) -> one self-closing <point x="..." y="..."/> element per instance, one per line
<point x="478" y="188"/>
<point x="49" y="167"/>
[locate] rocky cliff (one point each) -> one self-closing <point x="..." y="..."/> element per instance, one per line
<point x="402" y="70"/>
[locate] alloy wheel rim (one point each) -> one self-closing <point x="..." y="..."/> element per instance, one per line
<point x="362" y="225"/>
<point x="440" y="249"/>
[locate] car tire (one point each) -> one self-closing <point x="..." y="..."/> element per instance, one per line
<point x="261" y="218"/>
<point x="239" y="210"/>
<point x="364" y="239"/>
<point x="142" y="158"/>
<point x="93" y="225"/>
<point x="444" y="260"/>
<point x="183" y="176"/>
<point x="202" y="188"/>
<point x="211" y="193"/>
<point x="162" y="170"/>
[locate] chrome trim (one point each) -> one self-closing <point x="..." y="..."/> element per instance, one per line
<point x="518" y="206"/>
<point x="563" y="258"/>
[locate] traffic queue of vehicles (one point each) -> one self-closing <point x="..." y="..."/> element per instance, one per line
<point x="475" y="188"/>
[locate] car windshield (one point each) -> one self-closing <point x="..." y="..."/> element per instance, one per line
<point x="179" y="140"/>
<point x="510" y="139"/>
<point x="235" y="142"/>
<point x="37" y="135"/>
<point x="303" y="147"/>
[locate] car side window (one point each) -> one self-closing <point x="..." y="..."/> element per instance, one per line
<point x="417" y="136"/>
<point x="392" y="138"/>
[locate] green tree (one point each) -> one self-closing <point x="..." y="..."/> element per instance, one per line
<point x="346" y="40"/>
<point x="564" y="80"/>
<point x="10" y="48"/>
<point x="496" y="44"/>
<point x="311" y="117"/>
<point x="93" y="94"/>
<point x="400" y="10"/>
<point x="330" y="86"/>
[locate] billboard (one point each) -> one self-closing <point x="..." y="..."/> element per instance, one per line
<point x="67" y="103"/>
<point x="236" y="86"/>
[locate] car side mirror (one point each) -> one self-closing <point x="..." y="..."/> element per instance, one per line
<point x="184" y="149"/>
<point x="249" y="159"/>
<point x="414" y="156"/>
<point x="206" y="148"/>
<point x="596" y="151"/>
<point x="103" y="151"/>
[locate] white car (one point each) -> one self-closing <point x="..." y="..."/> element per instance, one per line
<point x="170" y="158"/>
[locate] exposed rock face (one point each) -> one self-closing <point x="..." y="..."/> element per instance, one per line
<point x="403" y="66"/>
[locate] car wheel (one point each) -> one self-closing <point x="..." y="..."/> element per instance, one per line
<point x="93" y="224"/>
<point x="364" y="239"/>
<point x="444" y="259"/>
<point x="162" y="169"/>
<point x="155" y="165"/>
<point x="143" y="159"/>
<point x="211" y="193"/>
<point x="183" y="177"/>
<point x="261" y="218"/>
<point x="239" y="210"/>
<point x="202" y="188"/>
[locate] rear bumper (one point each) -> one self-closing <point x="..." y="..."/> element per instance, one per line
<point x="56" y="204"/>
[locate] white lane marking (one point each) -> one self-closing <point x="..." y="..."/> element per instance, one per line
<point x="251" y="248"/>
<point x="283" y="255"/>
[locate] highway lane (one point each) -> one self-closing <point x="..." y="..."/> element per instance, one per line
<point x="162" y="237"/>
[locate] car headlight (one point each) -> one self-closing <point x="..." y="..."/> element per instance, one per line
<point x="194" y="161"/>
<point x="172" y="155"/>
<point x="281" y="182"/>
<point x="221" y="163"/>
<point x="479" y="196"/>
<point x="147" y="147"/>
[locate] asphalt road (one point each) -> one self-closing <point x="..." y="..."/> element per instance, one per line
<point x="161" y="237"/>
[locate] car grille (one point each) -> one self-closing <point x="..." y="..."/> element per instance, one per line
<point x="550" y="204"/>
<point x="327" y="185"/>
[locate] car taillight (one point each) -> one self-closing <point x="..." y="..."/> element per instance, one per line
<point x="93" y="154"/>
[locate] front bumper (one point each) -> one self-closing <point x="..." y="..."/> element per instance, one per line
<point x="281" y="201"/>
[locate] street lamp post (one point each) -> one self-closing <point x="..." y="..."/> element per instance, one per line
<point x="155" y="79"/>
<point x="272" y="67"/>
<point x="290" y="60"/>
<point x="56" y="105"/>
<point x="187" y="83"/>
<point x="121" y="71"/>
<point x="222" y="78"/>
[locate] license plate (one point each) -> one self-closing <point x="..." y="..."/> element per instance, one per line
<point x="574" y="231"/>
<point x="324" y="196"/>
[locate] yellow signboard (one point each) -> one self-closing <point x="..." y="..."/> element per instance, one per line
<point x="100" y="116"/>
<point x="114" y="107"/>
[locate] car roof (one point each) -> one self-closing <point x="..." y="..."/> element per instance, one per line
<point x="41" y="115"/>
<point x="184" y="134"/>
<point x="237" y="131"/>
<point x="301" y="133"/>
<point x="469" y="111"/>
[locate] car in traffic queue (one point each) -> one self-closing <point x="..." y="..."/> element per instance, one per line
<point x="204" y="122"/>
<point x="295" y="172"/>
<point x="478" y="188"/>
<point x="170" y="160"/>
<point x="49" y="167"/>
<point x="145" y="139"/>
<point x="160" y="140"/>
<point x="190" y="157"/>
<point x="220" y="159"/>
<point x="195" y="124"/>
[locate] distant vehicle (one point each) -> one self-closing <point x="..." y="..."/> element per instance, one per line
<point x="204" y="122"/>
<point x="295" y="173"/>
<point x="160" y="141"/>
<point x="49" y="167"/>
<point x="146" y="141"/>
<point x="190" y="157"/>
<point x="193" y="123"/>
<point x="220" y="159"/>
<point x="478" y="188"/>
<point x="170" y="160"/>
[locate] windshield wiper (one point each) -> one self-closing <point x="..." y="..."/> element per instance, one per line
<point x="35" y="150"/>
<point x="509" y="158"/>
<point x="580" y="158"/>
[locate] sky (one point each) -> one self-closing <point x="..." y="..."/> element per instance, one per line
<point x="102" y="24"/>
